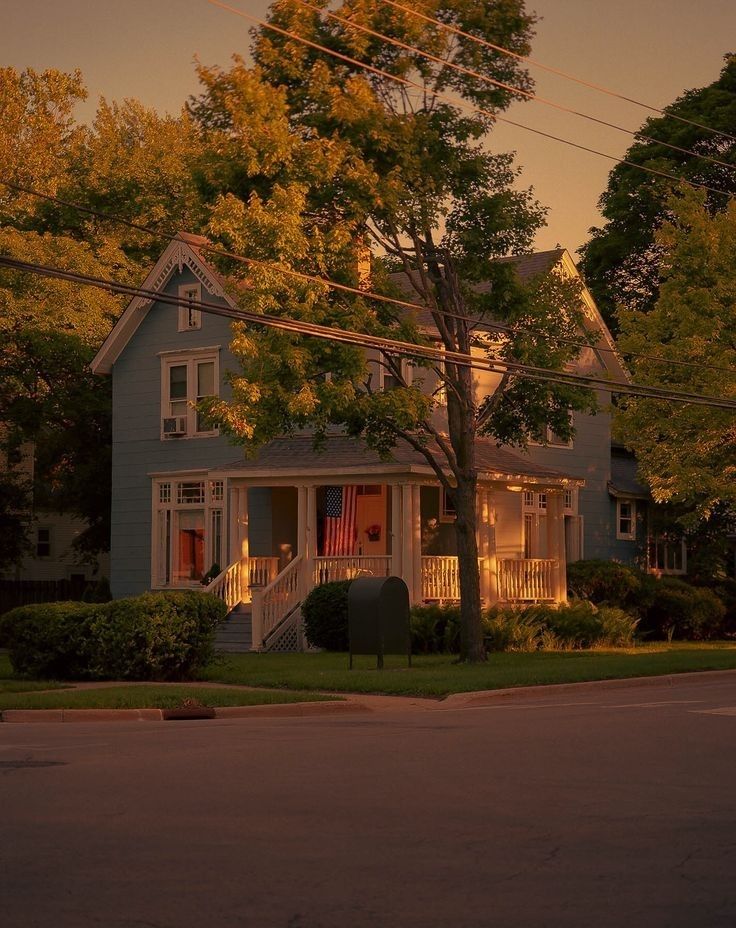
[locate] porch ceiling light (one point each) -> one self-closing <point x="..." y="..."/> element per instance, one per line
<point x="514" y="488"/>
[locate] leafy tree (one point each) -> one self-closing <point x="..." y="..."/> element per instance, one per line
<point x="620" y="262"/>
<point x="686" y="453"/>
<point x="130" y="162"/>
<point x="322" y="157"/>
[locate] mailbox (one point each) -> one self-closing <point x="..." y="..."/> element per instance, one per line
<point x="378" y="617"/>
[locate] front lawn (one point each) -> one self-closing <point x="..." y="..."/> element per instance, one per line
<point x="153" y="696"/>
<point x="437" y="675"/>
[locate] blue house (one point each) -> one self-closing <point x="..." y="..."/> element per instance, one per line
<point x="189" y="505"/>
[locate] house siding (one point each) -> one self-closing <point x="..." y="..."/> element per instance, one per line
<point x="138" y="450"/>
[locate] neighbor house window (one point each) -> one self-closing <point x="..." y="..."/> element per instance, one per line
<point x="189" y="317"/>
<point x="626" y="520"/>
<point x="447" y="507"/>
<point x="666" y="554"/>
<point x="43" y="542"/>
<point x="186" y="379"/>
<point x="188" y="531"/>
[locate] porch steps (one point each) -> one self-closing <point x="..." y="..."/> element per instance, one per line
<point x="235" y="634"/>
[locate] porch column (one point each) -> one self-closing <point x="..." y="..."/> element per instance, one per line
<point x="487" y="548"/>
<point x="407" y="572"/>
<point x="311" y="539"/>
<point x="395" y="531"/>
<point x="239" y="527"/>
<point x="556" y="543"/>
<point x="416" y="500"/>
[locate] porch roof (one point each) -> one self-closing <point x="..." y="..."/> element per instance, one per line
<point x="340" y="454"/>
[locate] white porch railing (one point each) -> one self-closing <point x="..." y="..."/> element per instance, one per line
<point x="440" y="578"/>
<point x="228" y="584"/>
<point x="526" y="579"/>
<point x="327" y="569"/>
<point x="262" y="570"/>
<point x="274" y="602"/>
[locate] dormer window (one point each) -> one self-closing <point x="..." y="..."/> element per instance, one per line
<point x="189" y="316"/>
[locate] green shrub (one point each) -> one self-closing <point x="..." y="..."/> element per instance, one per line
<point x="157" y="636"/>
<point x="514" y="628"/>
<point x="325" y="614"/>
<point x="611" y="583"/>
<point x="97" y="591"/>
<point x="679" y="610"/>
<point x="435" y="629"/>
<point x="48" y="640"/>
<point x="547" y="627"/>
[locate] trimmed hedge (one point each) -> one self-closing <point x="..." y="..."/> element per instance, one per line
<point x="325" y="614"/>
<point x="156" y="636"/>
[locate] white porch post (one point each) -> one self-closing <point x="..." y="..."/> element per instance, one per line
<point x="310" y="551"/>
<point x="556" y="543"/>
<point x="416" y="500"/>
<point x="395" y="531"/>
<point x="240" y="543"/>
<point x="487" y="546"/>
<point x="407" y="572"/>
<point x="301" y="521"/>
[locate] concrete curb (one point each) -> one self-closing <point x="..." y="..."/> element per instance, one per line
<point x="270" y="710"/>
<point x="485" y="697"/>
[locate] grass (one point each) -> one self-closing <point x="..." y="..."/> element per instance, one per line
<point x="23" y="694"/>
<point x="296" y="677"/>
<point x="437" y="675"/>
<point x="153" y="696"/>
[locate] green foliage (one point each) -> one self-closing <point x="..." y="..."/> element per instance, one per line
<point x="435" y="629"/>
<point x="621" y="261"/>
<point x="325" y="614"/>
<point x="97" y="591"/>
<point x="686" y="453"/>
<point x="611" y="583"/>
<point x="682" y="611"/>
<point x="156" y="636"/>
<point x="576" y="625"/>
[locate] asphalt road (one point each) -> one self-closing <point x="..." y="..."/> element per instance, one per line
<point x="603" y="807"/>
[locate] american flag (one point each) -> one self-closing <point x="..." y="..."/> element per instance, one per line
<point x="340" y="506"/>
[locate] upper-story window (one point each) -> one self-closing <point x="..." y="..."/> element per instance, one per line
<point x="553" y="440"/>
<point x="43" y="542"/>
<point x="626" y="520"/>
<point x="186" y="379"/>
<point x="190" y="317"/>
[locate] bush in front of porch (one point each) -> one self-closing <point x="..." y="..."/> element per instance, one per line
<point x="156" y="636"/>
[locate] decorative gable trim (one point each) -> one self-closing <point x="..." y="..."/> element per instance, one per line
<point x="178" y="255"/>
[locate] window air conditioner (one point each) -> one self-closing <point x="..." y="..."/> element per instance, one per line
<point x="175" y="425"/>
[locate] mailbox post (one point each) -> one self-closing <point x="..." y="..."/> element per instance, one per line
<point x="378" y="618"/>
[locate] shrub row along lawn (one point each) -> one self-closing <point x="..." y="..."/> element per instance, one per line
<point x="437" y="675"/>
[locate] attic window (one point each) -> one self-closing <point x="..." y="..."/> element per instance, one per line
<point x="189" y="317"/>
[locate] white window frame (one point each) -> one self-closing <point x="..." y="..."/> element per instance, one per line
<point x="631" y="534"/>
<point x="653" y="541"/>
<point x="551" y="440"/>
<point x="190" y="359"/>
<point x="165" y="510"/>
<point x="48" y="542"/>
<point x="446" y="512"/>
<point x="190" y="319"/>
<point x="379" y="360"/>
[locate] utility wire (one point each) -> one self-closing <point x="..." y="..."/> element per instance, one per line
<point x="570" y="77"/>
<point x="386" y="345"/>
<point x="536" y="98"/>
<point x="462" y="104"/>
<point x="334" y="285"/>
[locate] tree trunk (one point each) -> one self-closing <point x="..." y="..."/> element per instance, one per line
<point x="472" y="649"/>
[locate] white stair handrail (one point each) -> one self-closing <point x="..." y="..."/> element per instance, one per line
<point x="227" y="585"/>
<point x="275" y="601"/>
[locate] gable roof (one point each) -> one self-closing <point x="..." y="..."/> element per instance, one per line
<point x="183" y="251"/>
<point x="528" y="267"/>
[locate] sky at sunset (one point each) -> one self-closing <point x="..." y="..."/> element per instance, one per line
<point x="651" y="50"/>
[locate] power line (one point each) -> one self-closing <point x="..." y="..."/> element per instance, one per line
<point x="462" y="104"/>
<point x="570" y="77"/>
<point x="383" y="344"/>
<point x="534" y="97"/>
<point x="334" y="285"/>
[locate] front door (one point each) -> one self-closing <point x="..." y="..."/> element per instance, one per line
<point x="370" y="519"/>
